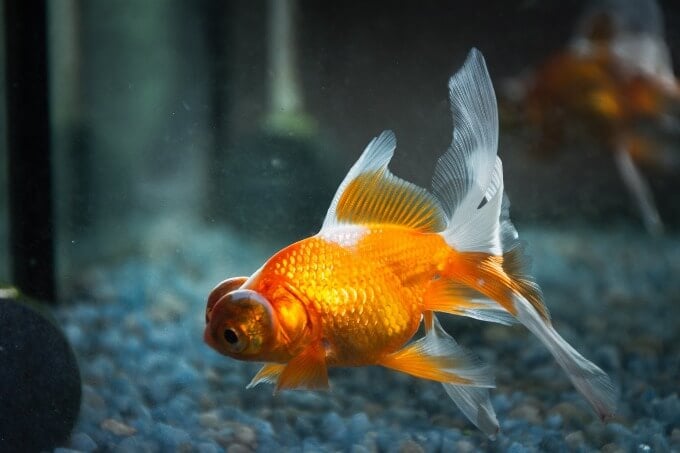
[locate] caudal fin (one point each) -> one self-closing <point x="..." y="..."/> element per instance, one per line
<point x="588" y="378"/>
<point x="487" y="254"/>
<point x="467" y="172"/>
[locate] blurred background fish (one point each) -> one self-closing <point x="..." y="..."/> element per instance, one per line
<point x="612" y="85"/>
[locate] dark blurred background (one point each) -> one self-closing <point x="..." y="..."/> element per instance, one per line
<point x="149" y="98"/>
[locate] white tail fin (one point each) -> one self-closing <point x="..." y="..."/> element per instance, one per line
<point x="468" y="183"/>
<point x="588" y="378"/>
<point x="469" y="176"/>
<point x="639" y="190"/>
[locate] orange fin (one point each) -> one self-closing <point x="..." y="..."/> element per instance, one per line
<point x="307" y="370"/>
<point x="269" y="374"/>
<point x="516" y="265"/>
<point x="498" y="277"/>
<point x="370" y="193"/>
<point x="440" y="359"/>
<point x="448" y="296"/>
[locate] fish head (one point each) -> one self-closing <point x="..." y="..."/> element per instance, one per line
<point x="240" y="324"/>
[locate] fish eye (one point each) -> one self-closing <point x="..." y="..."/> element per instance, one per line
<point x="230" y="336"/>
<point x="235" y="340"/>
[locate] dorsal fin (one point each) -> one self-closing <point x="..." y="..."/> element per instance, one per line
<point x="370" y="193"/>
<point x="468" y="178"/>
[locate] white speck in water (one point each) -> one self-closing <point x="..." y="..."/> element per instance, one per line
<point x="276" y="162"/>
<point x="644" y="447"/>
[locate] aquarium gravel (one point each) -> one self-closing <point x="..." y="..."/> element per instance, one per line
<point x="151" y="384"/>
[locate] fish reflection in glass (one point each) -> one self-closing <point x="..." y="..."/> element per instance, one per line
<point x="389" y="256"/>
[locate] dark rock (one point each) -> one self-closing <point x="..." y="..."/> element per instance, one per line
<point x="40" y="386"/>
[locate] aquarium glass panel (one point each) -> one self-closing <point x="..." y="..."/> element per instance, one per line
<point x="499" y="271"/>
<point x="4" y="219"/>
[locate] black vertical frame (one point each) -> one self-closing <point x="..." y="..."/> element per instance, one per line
<point x="31" y="228"/>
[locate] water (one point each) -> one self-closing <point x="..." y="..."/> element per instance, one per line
<point x="183" y="154"/>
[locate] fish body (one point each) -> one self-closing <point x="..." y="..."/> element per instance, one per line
<point x="363" y="287"/>
<point x="389" y="256"/>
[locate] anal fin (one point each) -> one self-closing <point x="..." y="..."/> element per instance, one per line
<point x="307" y="370"/>
<point x="474" y="402"/>
<point x="441" y="360"/>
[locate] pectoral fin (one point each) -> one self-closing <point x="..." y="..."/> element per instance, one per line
<point x="269" y="374"/>
<point x="307" y="370"/>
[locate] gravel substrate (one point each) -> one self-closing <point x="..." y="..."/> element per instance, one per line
<point x="151" y="384"/>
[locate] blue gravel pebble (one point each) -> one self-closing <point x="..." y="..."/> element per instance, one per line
<point x="155" y="375"/>
<point x="170" y="436"/>
<point x="83" y="442"/>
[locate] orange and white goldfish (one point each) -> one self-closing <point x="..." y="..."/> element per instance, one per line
<point x="389" y="255"/>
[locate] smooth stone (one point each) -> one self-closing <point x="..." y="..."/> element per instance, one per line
<point x="613" y="448"/>
<point x="516" y="447"/>
<point x="358" y="426"/>
<point x="464" y="446"/>
<point x="245" y="435"/>
<point x="238" y="448"/>
<point x="356" y="448"/>
<point x="575" y="439"/>
<point x="660" y="444"/>
<point x="410" y="446"/>
<point x="207" y="447"/>
<point x="571" y="414"/>
<point x="40" y="386"/>
<point x="171" y="436"/>
<point x="333" y="427"/>
<point x="135" y="444"/>
<point x="83" y="442"/>
<point x="118" y="428"/>
<point x="527" y="412"/>
<point x="210" y="419"/>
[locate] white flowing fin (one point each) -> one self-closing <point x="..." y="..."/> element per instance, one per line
<point x="588" y="378"/>
<point x="474" y="402"/>
<point x="639" y="190"/>
<point x="370" y="193"/>
<point x="464" y="174"/>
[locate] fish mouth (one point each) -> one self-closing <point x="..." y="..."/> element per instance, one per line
<point x="209" y="339"/>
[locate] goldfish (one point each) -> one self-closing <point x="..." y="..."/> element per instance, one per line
<point x="391" y="255"/>
<point x="613" y="84"/>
